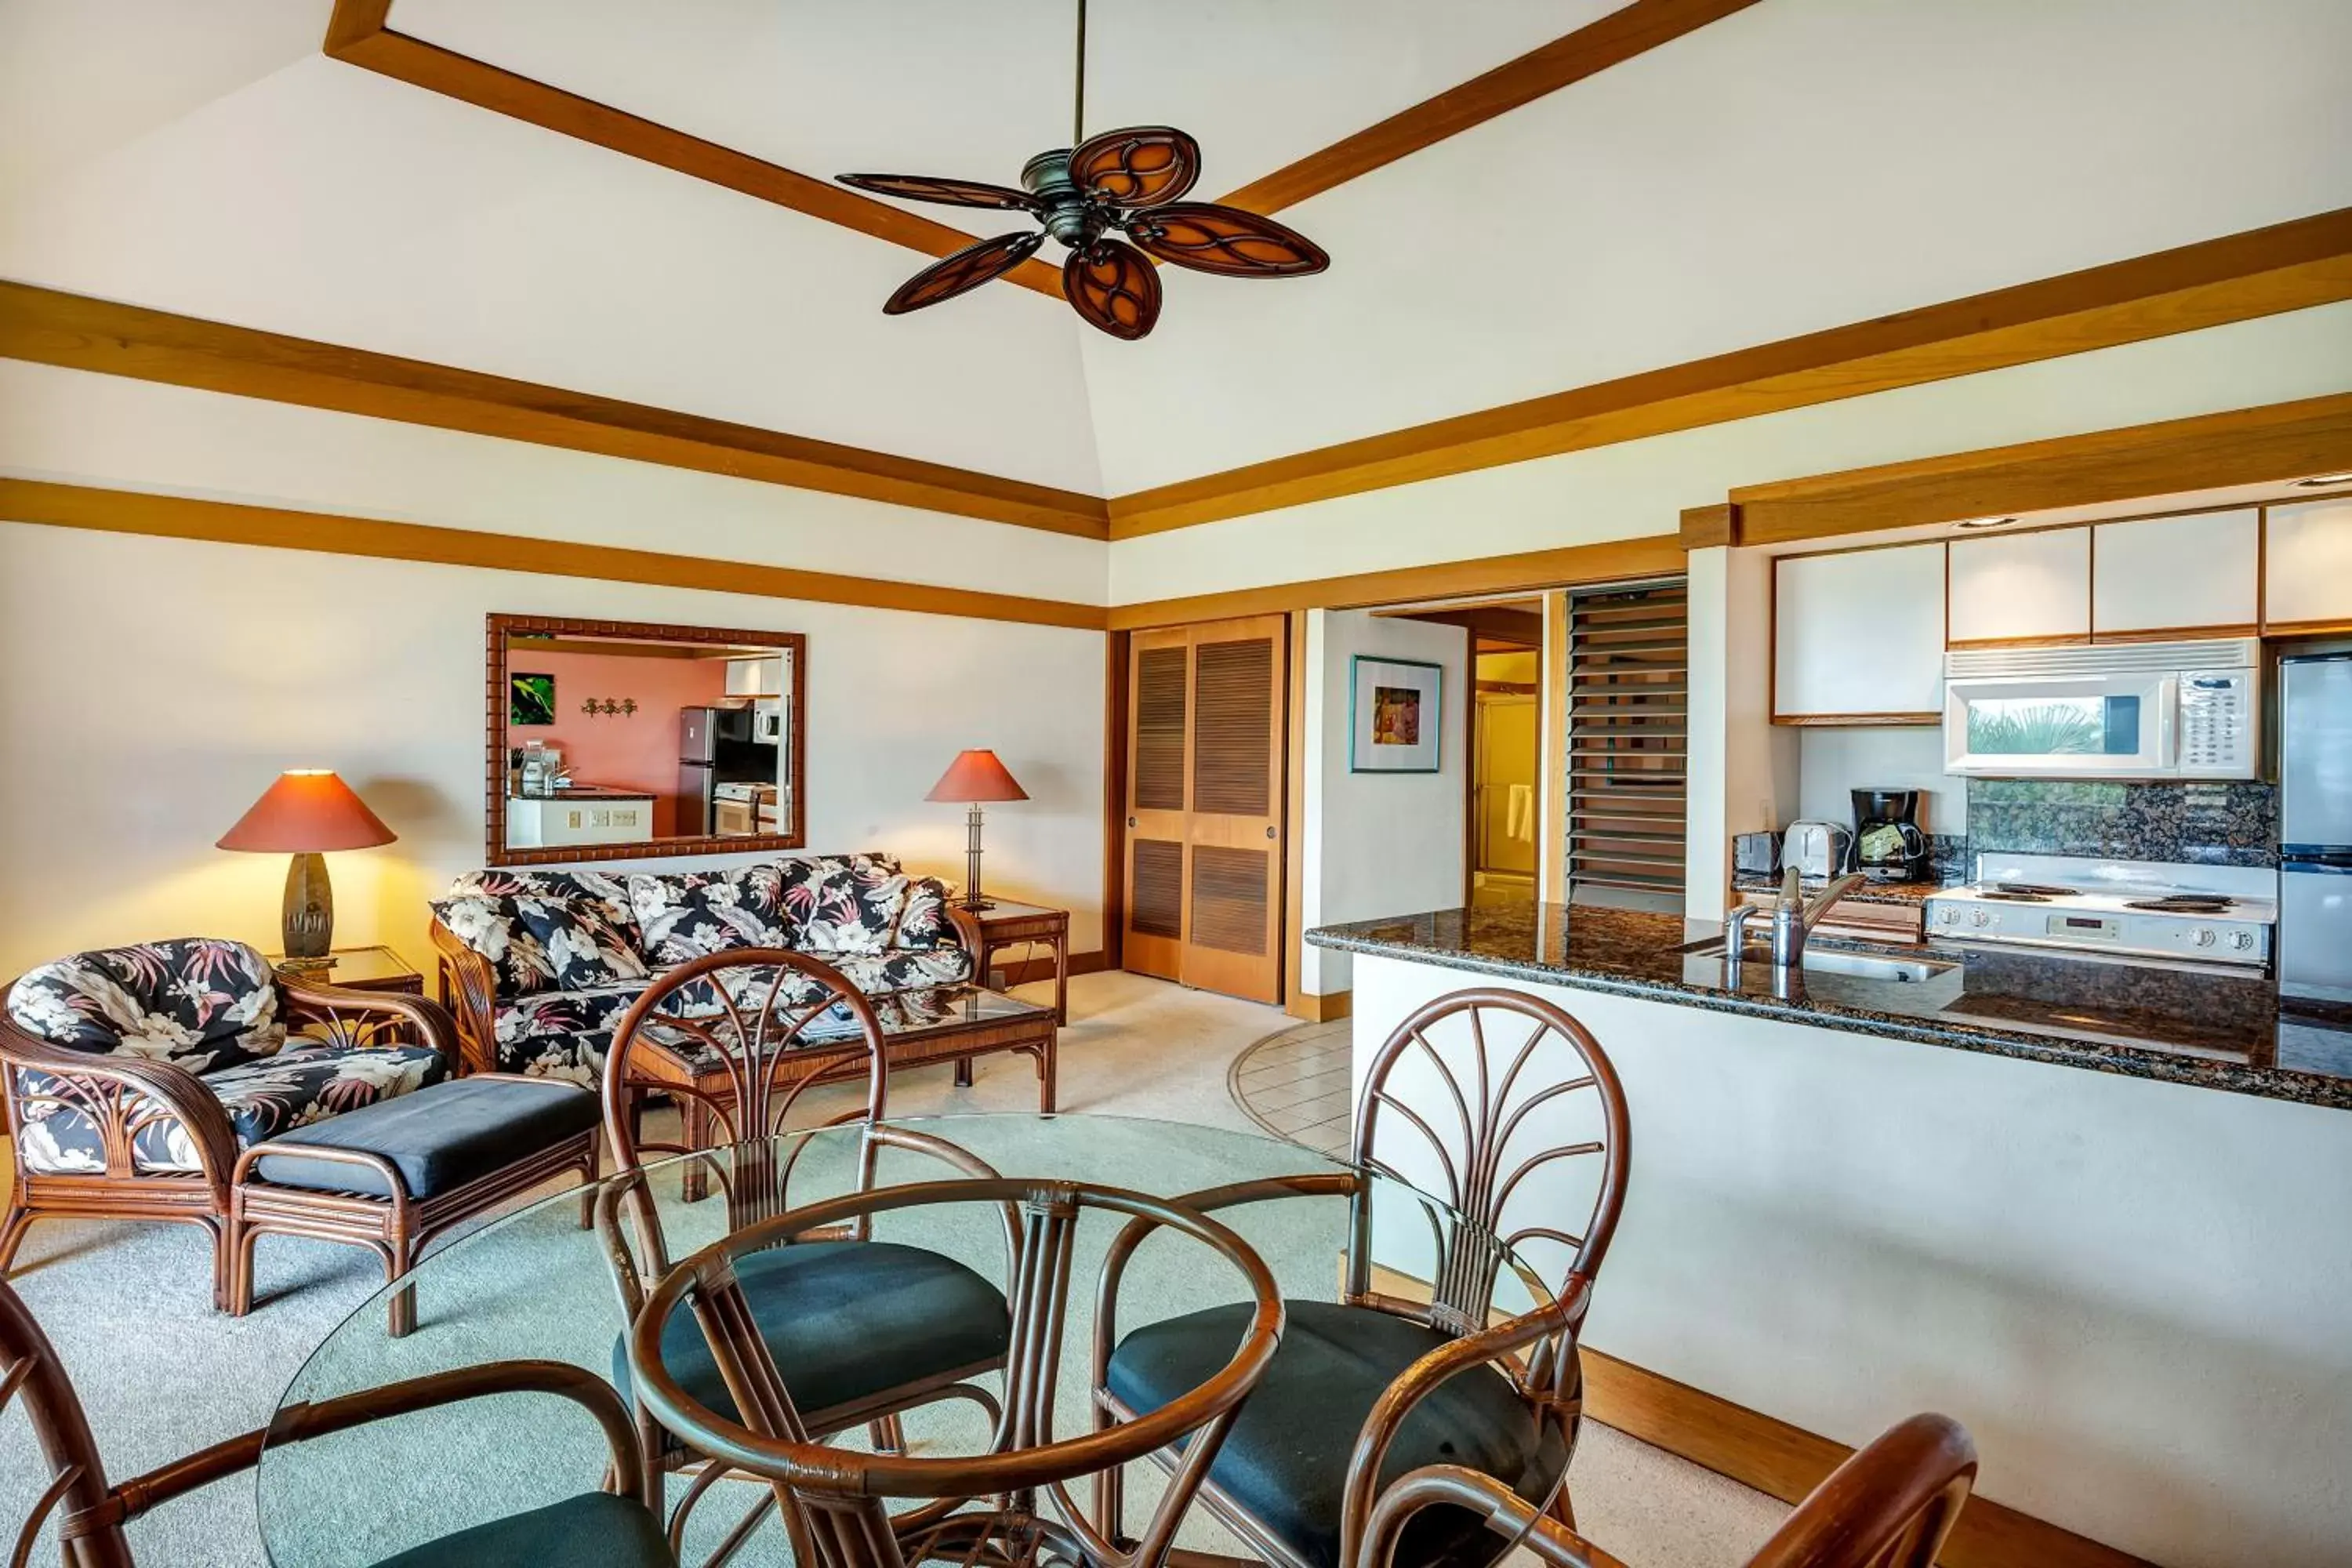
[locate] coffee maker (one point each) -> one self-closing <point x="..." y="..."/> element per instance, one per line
<point x="1887" y="844"/>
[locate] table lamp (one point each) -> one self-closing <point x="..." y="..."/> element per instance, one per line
<point x="973" y="777"/>
<point x="306" y="812"/>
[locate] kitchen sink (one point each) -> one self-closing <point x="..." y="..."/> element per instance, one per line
<point x="1836" y="961"/>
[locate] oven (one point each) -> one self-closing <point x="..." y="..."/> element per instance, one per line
<point x="2132" y="711"/>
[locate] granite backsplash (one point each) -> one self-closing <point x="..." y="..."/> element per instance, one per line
<point x="2202" y="822"/>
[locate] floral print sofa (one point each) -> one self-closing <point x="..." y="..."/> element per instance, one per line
<point x="539" y="966"/>
<point x="134" y="1076"/>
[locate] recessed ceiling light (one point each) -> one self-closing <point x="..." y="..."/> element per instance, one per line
<point x="1976" y="522"/>
<point x="2318" y="482"/>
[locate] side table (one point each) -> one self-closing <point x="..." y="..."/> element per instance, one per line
<point x="1007" y="924"/>
<point x="360" y="968"/>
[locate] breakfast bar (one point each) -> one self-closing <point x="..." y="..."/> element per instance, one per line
<point x="2096" y="1210"/>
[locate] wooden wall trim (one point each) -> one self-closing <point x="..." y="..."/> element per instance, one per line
<point x="2286" y="267"/>
<point x="1614" y="39"/>
<point x="226" y="522"/>
<point x="50" y="327"/>
<point x="1786" y="1461"/>
<point x="2206" y="451"/>
<point x="1651" y="555"/>
<point x="1320" y="1007"/>
<point x="1705" y="527"/>
<point x="357" y="35"/>
<point x="1115" y="752"/>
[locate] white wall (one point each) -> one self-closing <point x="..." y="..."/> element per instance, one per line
<point x="2136" y="1296"/>
<point x="1640" y="487"/>
<point x="1742" y="772"/>
<point x="1378" y="844"/>
<point x="150" y="689"/>
<point x="1838" y="760"/>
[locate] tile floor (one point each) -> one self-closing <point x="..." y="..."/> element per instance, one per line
<point x="1297" y="1084"/>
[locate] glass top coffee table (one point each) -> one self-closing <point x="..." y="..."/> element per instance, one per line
<point x="535" y="1284"/>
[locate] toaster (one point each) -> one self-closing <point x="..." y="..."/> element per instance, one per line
<point x="1817" y="849"/>
<point x="1756" y="854"/>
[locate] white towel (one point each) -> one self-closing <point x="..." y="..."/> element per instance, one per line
<point x="1519" y="813"/>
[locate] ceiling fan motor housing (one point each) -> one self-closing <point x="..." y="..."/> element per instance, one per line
<point x="1068" y="216"/>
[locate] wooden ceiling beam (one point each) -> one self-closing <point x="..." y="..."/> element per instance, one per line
<point x="2286" y="267"/>
<point x="358" y="35"/>
<point x="2275" y="442"/>
<point x="1619" y="36"/>
<point x="49" y="327"/>
<point x="1609" y="561"/>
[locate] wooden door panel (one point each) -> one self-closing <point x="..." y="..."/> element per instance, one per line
<point x="1204" y="805"/>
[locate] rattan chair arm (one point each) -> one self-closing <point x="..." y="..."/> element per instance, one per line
<point x="473" y="1001"/>
<point x="182" y="1093"/>
<point x="1421" y="1379"/>
<point x="968" y="934"/>
<point x="303" y="1420"/>
<point x="1501" y="1510"/>
<point x="367" y="1160"/>
<point x="307" y="1002"/>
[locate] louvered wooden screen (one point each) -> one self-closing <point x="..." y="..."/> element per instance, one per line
<point x="1204" y="805"/>
<point x="1628" y="739"/>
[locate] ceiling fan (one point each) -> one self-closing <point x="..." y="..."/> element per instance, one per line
<point x="1128" y="181"/>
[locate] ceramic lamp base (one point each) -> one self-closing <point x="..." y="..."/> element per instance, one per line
<point x="309" y="923"/>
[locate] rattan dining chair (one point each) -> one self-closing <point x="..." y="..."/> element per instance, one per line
<point x="834" y="1501"/>
<point x="1406" y="1371"/>
<point x="1891" y="1505"/>
<point x="601" y="1529"/>
<point x="866" y="1329"/>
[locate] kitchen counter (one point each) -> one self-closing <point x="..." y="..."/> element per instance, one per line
<point x="589" y="792"/>
<point x="1868" y="893"/>
<point x="2207" y="1030"/>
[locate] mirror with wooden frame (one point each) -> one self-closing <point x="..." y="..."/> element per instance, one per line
<point x="615" y="740"/>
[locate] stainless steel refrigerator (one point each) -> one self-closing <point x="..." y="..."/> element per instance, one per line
<point x="2315" y="930"/>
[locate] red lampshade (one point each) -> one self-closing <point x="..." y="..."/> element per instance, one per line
<point x="307" y="810"/>
<point x="976" y="776"/>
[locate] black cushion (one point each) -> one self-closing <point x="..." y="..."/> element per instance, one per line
<point x="439" y="1138"/>
<point x="1284" y="1460"/>
<point x="845" y="1321"/>
<point x="595" y="1530"/>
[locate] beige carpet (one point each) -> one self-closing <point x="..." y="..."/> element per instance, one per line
<point x="163" y="1375"/>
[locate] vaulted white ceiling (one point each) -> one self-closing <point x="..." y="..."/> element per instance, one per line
<point x="1800" y="165"/>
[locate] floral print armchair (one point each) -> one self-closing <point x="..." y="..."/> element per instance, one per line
<point x="538" y="966"/>
<point x="133" y="1077"/>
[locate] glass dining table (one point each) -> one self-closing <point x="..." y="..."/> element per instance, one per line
<point x="534" y="1284"/>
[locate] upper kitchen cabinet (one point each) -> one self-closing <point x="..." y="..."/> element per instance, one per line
<point x="2197" y="574"/>
<point x="2021" y="587"/>
<point x="755" y="676"/>
<point x="1858" y="636"/>
<point x="2308" y="580"/>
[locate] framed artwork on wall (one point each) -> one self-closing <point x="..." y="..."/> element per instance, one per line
<point x="531" y="699"/>
<point x="1394" y="717"/>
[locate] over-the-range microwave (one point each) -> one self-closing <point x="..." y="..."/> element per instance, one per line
<point x="2120" y="710"/>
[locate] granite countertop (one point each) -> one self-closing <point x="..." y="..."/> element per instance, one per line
<point x="590" y="792"/>
<point x="2200" y="1028"/>
<point x="1868" y="893"/>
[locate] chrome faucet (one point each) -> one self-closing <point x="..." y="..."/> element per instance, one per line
<point x="1794" y="916"/>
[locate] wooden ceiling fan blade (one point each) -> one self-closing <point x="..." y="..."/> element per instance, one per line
<point x="1208" y="238"/>
<point x="967" y="269"/>
<point x="1113" y="289"/>
<point x="954" y="192"/>
<point x="1140" y="166"/>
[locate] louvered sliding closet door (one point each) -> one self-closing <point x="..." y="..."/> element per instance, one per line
<point x="1205" y="806"/>
<point x="1158" y="686"/>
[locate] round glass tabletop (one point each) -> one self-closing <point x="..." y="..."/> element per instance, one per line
<point x="534" y="1284"/>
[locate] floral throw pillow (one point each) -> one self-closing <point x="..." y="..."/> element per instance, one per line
<point x="843" y="903"/>
<point x="924" y="921"/>
<point x="684" y="915"/>
<point x="579" y="943"/>
<point x="494" y="928"/>
<point x="199" y="1002"/>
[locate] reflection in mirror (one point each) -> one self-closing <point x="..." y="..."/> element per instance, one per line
<point x="611" y="739"/>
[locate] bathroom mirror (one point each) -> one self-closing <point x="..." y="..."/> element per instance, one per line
<point x="615" y="740"/>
